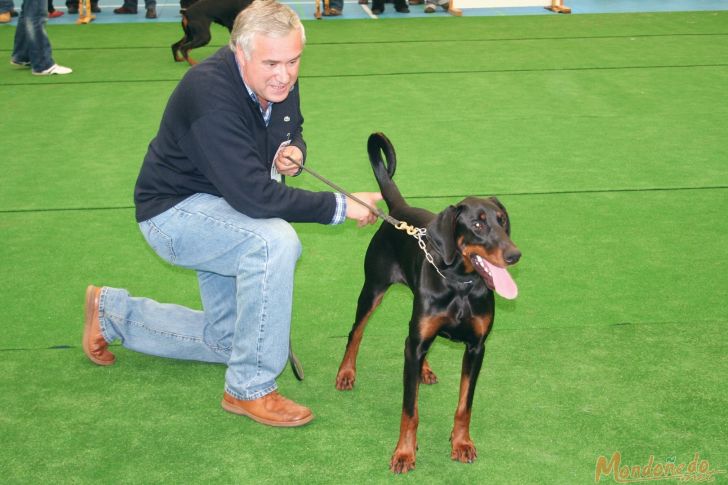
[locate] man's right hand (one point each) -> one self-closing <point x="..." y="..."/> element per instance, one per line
<point x="358" y="212"/>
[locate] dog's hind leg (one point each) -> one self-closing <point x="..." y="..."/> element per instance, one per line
<point x="198" y="35"/>
<point x="427" y="376"/>
<point x="175" y="50"/>
<point x="176" y="46"/>
<point x="369" y="300"/>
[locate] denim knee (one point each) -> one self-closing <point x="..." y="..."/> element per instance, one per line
<point x="285" y="239"/>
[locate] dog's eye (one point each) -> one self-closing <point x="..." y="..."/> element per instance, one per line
<point x="502" y="220"/>
<point x="479" y="226"/>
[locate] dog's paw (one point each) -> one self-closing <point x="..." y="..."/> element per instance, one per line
<point x="428" y="377"/>
<point x="402" y="461"/>
<point x="345" y="380"/>
<point x="463" y="451"/>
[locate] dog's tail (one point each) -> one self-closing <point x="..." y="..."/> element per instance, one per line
<point x="377" y="144"/>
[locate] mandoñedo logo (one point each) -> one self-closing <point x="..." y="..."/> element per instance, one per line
<point x="697" y="470"/>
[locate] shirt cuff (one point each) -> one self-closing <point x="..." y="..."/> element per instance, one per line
<point x="340" y="213"/>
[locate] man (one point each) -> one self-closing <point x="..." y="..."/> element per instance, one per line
<point x="32" y="47"/>
<point x="208" y="198"/>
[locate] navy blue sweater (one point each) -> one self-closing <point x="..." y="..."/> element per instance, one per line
<point x="213" y="139"/>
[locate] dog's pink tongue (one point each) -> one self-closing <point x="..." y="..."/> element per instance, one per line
<point x="504" y="284"/>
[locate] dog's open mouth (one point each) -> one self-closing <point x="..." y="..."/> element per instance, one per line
<point x="495" y="278"/>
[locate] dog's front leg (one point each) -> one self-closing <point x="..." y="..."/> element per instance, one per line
<point x="403" y="458"/>
<point x="463" y="448"/>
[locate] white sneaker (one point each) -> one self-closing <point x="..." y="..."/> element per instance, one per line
<point x="54" y="69"/>
<point x="430" y="8"/>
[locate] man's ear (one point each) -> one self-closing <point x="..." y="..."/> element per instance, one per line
<point x="441" y="233"/>
<point x="240" y="56"/>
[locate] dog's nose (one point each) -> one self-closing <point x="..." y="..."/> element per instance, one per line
<point x="512" y="257"/>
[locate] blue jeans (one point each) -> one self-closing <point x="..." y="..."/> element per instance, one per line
<point x="245" y="271"/>
<point x="6" y="6"/>
<point x="31" y="40"/>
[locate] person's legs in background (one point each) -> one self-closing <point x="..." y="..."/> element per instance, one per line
<point x="32" y="48"/>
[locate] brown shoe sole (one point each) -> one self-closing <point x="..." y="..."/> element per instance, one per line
<point x="88" y="322"/>
<point x="231" y="408"/>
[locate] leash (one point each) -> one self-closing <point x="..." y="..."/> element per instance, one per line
<point x="419" y="233"/>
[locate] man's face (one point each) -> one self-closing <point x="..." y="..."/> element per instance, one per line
<point x="272" y="69"/>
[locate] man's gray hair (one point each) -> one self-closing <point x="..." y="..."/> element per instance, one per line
<point x="266" y="17"/>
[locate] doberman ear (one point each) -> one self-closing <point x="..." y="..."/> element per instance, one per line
<point x="441" y="233"/>
<point x="497" y="202"/>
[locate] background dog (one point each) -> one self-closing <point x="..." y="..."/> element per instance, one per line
<point x="197" y="16"/>
<point x="471" y="247"/>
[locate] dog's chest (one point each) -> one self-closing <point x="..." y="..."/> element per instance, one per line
<point x="461" y="313"/>
<point x="460" y="310"/>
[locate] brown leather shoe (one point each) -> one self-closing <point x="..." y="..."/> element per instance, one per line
<point x="271" y="409"/>
<point x="94" y="344"/>
<point x="125" y="10"/>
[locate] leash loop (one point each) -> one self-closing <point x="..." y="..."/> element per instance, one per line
<point x="418" y="233"/>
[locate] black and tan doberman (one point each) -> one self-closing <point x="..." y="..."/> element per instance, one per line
<point x="454" y="297"/>
<point x="197" y="17"/>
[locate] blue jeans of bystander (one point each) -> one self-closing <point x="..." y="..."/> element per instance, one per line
<point x="31" y="40"/>
<point x="6" y="6"/>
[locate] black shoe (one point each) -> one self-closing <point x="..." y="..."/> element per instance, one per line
<point x="124" y="10"/>
<point x="151" y="13"/>
<point x="95" y="8"/>
<point x="402" y="8"/>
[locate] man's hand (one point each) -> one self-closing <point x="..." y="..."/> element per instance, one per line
<point x="285" y="166"/>
<point x="358" y="212"/>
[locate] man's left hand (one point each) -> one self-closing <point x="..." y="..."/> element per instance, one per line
<point x="285" y="166"/>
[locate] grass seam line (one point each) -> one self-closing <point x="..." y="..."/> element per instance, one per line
<point x="419" y="197"/>
<point x="394" y="74"/>
<point x="423" y="41"/>
<point x="606" y="326"/>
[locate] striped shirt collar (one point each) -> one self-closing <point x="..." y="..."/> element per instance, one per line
<point x="266" y="113"/>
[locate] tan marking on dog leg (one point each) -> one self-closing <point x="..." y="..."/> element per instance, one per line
<point x="346" y="375"/>
<point x="427" y="376"/>
<point x="463" y="448"/>
<point x="431" y="324"/>
<point x="481" y="325"/>
<point x="403" y="458"/>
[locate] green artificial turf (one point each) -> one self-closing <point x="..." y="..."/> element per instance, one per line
<point x="604" y="135"/>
